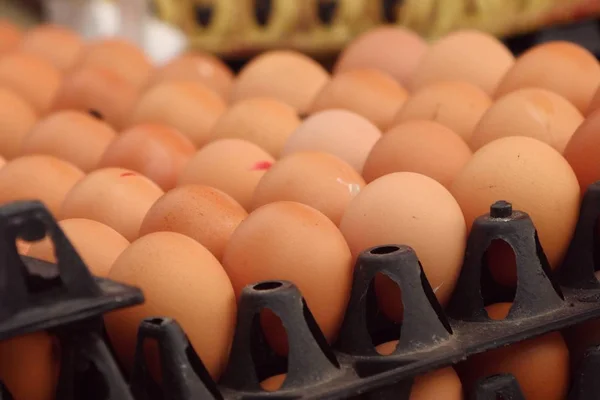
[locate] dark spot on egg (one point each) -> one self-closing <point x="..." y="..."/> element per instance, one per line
<point x="96" y="114"/>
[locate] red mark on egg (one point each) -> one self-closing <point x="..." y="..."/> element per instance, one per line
<point x="261" y="166"/>
<point x="124" y="174"/>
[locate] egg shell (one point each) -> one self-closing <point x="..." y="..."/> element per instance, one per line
<point x="583" y="150"/>
<point x="203" y="213"/>
<point x="562" y="67"/>
<point x="367" y="92"/>
<point x="442" y="383"/>
<point x="182" y="280"/>
<point x="17" y="117"/>
<point x="288" y="76"/>
<point x="58" y="45"/>
<point x="273" y="383"/>
<point x="85" y="235"/>
<point x="455" y="104"/>
<point x="465" y="55"/>
<point x="117" y="197"/>
<point x="73" y="136"/>
<point x="421" y="146"/>
<point x="234" y="166"/>
<point x="261" y="120"/>
<point x="10" y="36"/>
<point x="156" y="151"/>
<point x="189" y="107"/>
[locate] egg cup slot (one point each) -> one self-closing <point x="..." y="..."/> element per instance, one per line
<point x="210" y="24"/>
<point x="269" y="22"/>
<point x="586" y="385"/>
<point x="503" y="386"/>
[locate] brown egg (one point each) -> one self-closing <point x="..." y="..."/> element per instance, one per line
<point x="73" y="136"/>
<point x="367" y="92"/>
<point x="583" y="151"/>
<point x="394" y="50"/>
<point x="200" y="67"/>
<point x="31" y="77"/>
<point x="272" y="244"/>
<point x="10" y="36"/>
<point x="234" y="166"/>
<point x="99" y="91"/>
<point x="85" y="235"/>
<point x="181" y="280"/>
<point x="288" y="76"/>
<point x="17" y="117"/>
<point x="595" y="103"/>
<point x="541" y="364"/>
<point x="38" y="177"/>
<point x="117" y="197"/>
<point x="568" y="69"/>
<point x="30" y="366"/>
<point x="56" y="44"/>
<point x="156" y="151"/>
<point x="319" y="180"/>
<point x="261" y="120"/>
<point x="121" y="57"/>
<point x="205" y="214"/>
<point x="190" y="107"/>
<point x="411" y="147"/>
<point x="457" y="105"/>
<point x="467" y="55"/>
<point x="409" y="209"/>
<point x="273" y="383"/>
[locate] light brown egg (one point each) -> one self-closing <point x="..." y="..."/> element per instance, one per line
<point x="181" y="280"/>
<point x="30" y="366"/>
<point x="234" y="166"/>
<point x="342" y="133"/>
<point x="31" y="77"/>
<point x="457" y="105"/>
<point x="156" y="151"/>
<point x="273" y="383"/>
<point x="409" y="209"/>
<point x="85" y="235"/>
<point x="532" y="112"/>
<point x="272" y="244"/>
<point x="421" y="146"/>
<point x="541" y="364"/>
<point x="467" y="55"/>
<point x="73" y="136"/>
<point x="99" y="91"/>
<point x="394" y="50"/>
<point x="56" y="44"/>
<point x="197" y="66"/>
<point x="38" y="177"/>
<point x="562" y="67"/>
<point x="10" y="36"/>
<point x="583" y="151"/>
<point x="117" y="197"/>
<point x="190" y="107"/>
<point x="288" y="76"/>
<point x="17" y="117"/>
<point x="367" y="92"/>
<point x="532" y="176"/>
<point x="261" y="120"/>
<point x="203" y="213"/>
<point x="594" y="104"/>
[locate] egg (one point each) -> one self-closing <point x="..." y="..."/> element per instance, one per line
<point x="394" y="50"/>
<point x="203" y="213"/>
<point x="117" y="197"/>
<point x="531" y="112"/>
<point x="236" y="174"/>
<point x="409" y="209"/>
<point x="85" y="235"/>
<point x="532" y="176"/>
<point x="100" y="92"/>
<point x="559" y="66"/>
<point x="367" y="92"/>
<point x="273" y="383"/>
<point x="540" y="365"/>
<point x="58" y="45"/>
<point x="10" y="36"/>
<point x="342" y="133"/>
<point x="182" y="280"/>
<point x="411" y="147"/>
<point x="73" y="136"/>
<point x="455" y="104"/>
<point x="38" y="177"/>
<point x="465" y="55"/>
<point x="261" y="120"/>
<point x="272" y="244"/>
<point x="190" y="107"/>
<point x="34" y="79"/>
<point x="156" y="151"/>
<point x="288" y="76"/>
<point x="17" y="117"/>
<point x="582" y="152"/>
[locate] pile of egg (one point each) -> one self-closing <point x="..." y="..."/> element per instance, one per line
<point x="191" y="182"/>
